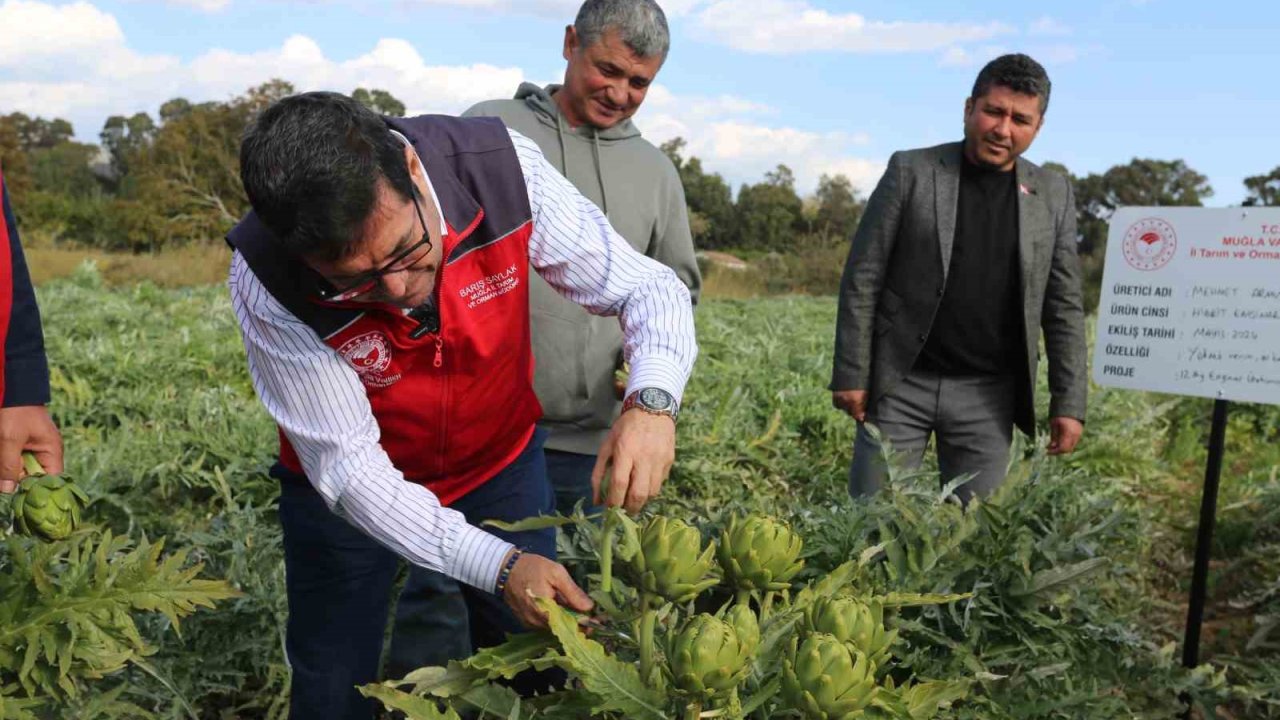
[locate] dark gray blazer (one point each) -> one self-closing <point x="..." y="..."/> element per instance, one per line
<point x="897" y="269"/>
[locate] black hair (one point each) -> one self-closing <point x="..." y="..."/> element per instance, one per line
<point x="1018" y="72"/>
<point x="310" y="164"/>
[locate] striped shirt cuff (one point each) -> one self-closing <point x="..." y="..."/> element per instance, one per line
<point x="478" y="557"/>
<point x="659" y="372"/>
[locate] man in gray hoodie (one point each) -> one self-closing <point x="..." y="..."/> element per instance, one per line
<point x="614" y="50"/>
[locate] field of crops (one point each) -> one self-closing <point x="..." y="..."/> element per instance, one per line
<point x="1073" y="577"/>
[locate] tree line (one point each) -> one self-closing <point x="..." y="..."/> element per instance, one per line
<point x="158" y="182"/>
<point x="765" y="216"/>
<point x="151" y="183"/>
<point x="1142" y="182"/>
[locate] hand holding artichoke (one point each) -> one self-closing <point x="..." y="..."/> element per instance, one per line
<point x="46" y="506"/>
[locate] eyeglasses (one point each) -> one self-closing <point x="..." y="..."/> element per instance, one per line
<point x="368" y="281"/>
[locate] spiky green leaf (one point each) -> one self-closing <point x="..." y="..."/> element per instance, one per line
<point x="413" y="706"/>
<point x="616" y="684"/>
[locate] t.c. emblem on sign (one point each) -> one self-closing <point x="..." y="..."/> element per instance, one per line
<point x="1150" y="244"/>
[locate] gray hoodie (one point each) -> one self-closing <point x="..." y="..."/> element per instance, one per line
<point x="639" y="190"/>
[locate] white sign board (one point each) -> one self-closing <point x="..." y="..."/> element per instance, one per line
<point x="1191" y="303"/>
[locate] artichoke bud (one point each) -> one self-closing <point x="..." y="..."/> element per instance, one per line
<point x="825" y="679"/>
<point x="47" y="506"/>
<point x="853" y="622"/>
<point x="672" y="562"/>
<point x="745" y="625"/>
<point x="706" y="657"/>
<point x="760" y="553"/>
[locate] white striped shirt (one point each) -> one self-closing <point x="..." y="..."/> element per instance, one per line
<point x="319" y="402"/>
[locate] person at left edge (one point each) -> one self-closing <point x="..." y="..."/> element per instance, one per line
<point x="25" y="423"/>
<point x="381" y="285"/>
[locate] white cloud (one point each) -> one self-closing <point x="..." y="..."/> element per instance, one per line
<point x="54" y="99"/>
<point x="1049" y="55"/>
<point x="556" y="9"/>
<point x="956" y="56"/>
<point x="794" y="26"/>
<point x="91" y="73"/>
<point x="1047" y="26"/>
<point x="203" y="5"/>
<point x="728" y="135"/>
<point x="661" y="100"/>
<point x="1059" y="54"/>
<point x="862" y="172"/>
<point x="731" y="136"/>
<point x="393" y="65"/>
<point x="746" y="151"/>
<point x="39" y="38"/>
<point x="73" y="61"/>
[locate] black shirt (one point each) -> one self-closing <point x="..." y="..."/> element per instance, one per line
<point x="977" y="329"/>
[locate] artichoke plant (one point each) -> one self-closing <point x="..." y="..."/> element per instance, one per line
<point x="708" y="657"/>
<point x="851" y="621"/>
<point x="671" y="561"/>
<point x="825" y="679"/>
<point x="46" y="506"/>
<point x="760" y="553"/>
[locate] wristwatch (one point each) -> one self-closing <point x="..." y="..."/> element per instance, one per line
<point x="654" y="401"/>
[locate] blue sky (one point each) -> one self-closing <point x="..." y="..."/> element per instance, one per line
<point x="821" y="85"/>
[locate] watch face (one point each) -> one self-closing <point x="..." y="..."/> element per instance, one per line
<point x="655" y="399"/>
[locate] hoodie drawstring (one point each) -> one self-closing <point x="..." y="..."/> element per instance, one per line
<point x="564" y="157"/>
<point x="564" y="154"/>
<point x="595" y="155"/>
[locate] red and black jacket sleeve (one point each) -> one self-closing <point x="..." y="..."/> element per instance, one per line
<point x="25" y="369"/>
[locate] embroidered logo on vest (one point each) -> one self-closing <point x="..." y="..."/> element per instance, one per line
<point x="370" y="355"/>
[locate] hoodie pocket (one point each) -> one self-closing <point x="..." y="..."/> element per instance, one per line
<point x="560" y="376"/>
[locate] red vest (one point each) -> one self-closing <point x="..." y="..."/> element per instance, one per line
<point x="456" y="406"/>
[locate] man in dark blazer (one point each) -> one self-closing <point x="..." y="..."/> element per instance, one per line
<point x="964" y="254"/>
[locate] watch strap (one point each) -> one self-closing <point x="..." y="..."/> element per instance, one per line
<point x="633" y="401"/>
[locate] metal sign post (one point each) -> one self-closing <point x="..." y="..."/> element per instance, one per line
<point x="1204" y="536"/>
<point x="1204" y="540"/>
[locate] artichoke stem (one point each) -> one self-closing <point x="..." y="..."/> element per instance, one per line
<point x="648" y="618"/>
<point x="693" y="711"/>
<point x="733" y="708"/>
<point x="606" y="551"/>
<point x="766" y="607"/>
<point x="31" y="465"/>
<point x="743" y="597"/>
